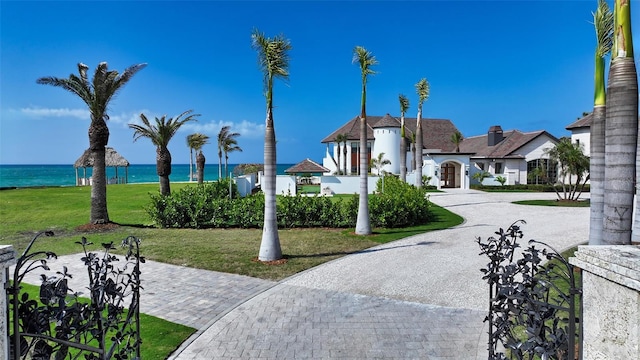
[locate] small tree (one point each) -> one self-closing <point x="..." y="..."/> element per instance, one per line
<point x="480" y="176"/>
<point x="501" y="180"/>
<point x="456" y="139"/>
<point x="160" y="134"/>
<point x="573" y="163"/>
<point x="379" y="163"/>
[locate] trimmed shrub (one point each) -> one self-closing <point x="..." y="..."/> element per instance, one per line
<point x="208" y="205"/>
<point x="399" y="205"/>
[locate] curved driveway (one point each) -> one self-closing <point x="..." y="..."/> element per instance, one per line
<point x="417" y="298"/>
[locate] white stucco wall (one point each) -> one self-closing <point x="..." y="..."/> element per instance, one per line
<point x="582" y="136"/>
<point x="347" y="184"/>
<point x="245" y="184"/>
<point x="387" y="142"/>
<point x="535" y="148"/>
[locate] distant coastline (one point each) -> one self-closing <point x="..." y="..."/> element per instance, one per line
<point x="33" y="175"/>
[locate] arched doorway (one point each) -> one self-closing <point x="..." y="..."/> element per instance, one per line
<point x="450" y="177"/>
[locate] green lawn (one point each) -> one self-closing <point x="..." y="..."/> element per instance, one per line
<point x="563" y="203"/>
<point x="159" y="337"/>
<point x="23" y="212"/>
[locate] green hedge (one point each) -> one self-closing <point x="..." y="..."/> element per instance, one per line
<point x="524" y="187"/>
<point x="209" y="205"/>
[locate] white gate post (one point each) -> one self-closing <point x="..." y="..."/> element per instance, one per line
<point x="7" y="258"/>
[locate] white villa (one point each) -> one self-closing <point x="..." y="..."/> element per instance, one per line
<point x="511" y="154"/>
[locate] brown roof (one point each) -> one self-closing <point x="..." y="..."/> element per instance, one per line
<point x="585" y="121"/>
<point x="386" y="121"/>
<point x="507" y="148"/>
<point x="307" y="166"/>
<point x="436" y="133"/>
<point x="112" y="159"/>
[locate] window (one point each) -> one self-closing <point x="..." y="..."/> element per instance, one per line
<point x="498" y="168"/>
<point x="480" y="165"/>
<point x="355" y="156"/>
<point x="541" y="171"/>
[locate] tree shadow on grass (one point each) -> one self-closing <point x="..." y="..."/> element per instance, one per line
<point x="370" y="250"/>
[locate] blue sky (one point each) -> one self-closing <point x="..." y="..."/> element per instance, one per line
<point x="524" y="65"/>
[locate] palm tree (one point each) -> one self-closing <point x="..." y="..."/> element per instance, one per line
<point x="603" y="23"/>
<point x="190" y="145"/>
<point x="339" y="140"/>
<point x="379" y="163"/>
<point x="573" y="163"/>
<point x="422" y="88"/>
<point x="457" y="138"/>
<point x="366" y="60"/>
<point x="160" y="134"/>
<point x="413" y="151"/>
<point x="273" y="60"/>
<point x="404" y="106"/>
<point x="196" y="142"/>
<point x="223" y="137"/>
<point x="230" y="145"/>
<point x="96" y="94"/>
<point x="621" y="134"/>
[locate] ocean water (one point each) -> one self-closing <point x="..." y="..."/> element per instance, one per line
<point x="65" y="175"/>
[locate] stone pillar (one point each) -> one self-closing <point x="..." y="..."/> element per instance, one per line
<point x="7" y="258"/>
<point x="611" y="301"/>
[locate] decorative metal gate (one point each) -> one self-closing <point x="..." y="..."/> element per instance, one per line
<point x="59" y="323"/>
<point x="532" y="305"/>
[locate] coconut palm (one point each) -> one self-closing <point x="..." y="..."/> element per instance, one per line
<point x="366" y="60"/>
<point x="603" y="23"/>
<point x="226" y="139"/>
<point x="273" y="60"/>
<point x="339" y="140"/>
<point x="422" y="88"/>
<point x="621" y="134"/>
<point x="456" y="139"/>
<point x="96" y="94"/>
<point x="379" y="162"/>
<point x="404" y="106"/>
<point x="160" y="134"/>
<point x="230" y="145"/>
<point x="196" y="142"/>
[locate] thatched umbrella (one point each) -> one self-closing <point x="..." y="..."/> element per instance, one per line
<point x="112" y="159"/>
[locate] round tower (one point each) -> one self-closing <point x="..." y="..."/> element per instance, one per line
<point x="386" y="134"/>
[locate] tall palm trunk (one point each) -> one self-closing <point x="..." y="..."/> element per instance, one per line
<point x="163" y="167"/>
<point x="413" y="155"/>
<point x="270" y="244"/>
<point x="226" y="164"/>
<point x="191" y="164"/>
<point x="363" y="223"/>
<point x="344" y="152"/>
<point x="219" y="164"/>
<point x="597" y="175"/>
<point x="418" y="149"/>
<point x="339" y="163"/>
<point x="200" y="160"/>
<point x="621" y="134"/>
<point x="403" y="151"/>
<point x="98" y="140"/>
